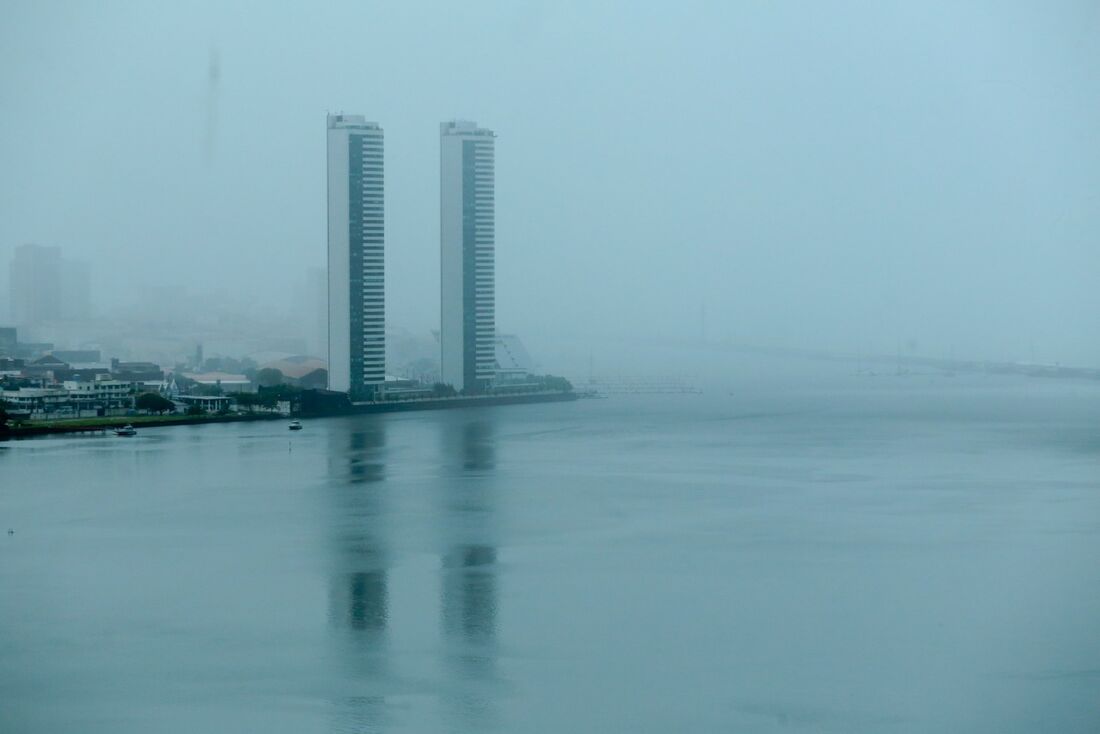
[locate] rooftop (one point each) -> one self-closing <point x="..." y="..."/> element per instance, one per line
<point x="464" y="127"/>
<point x="356" y="122"/>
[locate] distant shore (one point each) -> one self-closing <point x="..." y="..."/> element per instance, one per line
<point x="462" y="401"/>
<point x="102" y="425"/>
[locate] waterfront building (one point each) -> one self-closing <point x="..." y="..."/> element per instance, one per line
<point x="37" y="402"/>
<point x="104" y="393"/>
<point x="226" y="381"/>
<point x="467" y="255"/>
<point x="356" y="262"/>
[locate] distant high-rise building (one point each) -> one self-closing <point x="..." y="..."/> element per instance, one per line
<point x="36" y="274"/>
<point x="467" y="247"/>
<point x="356" y="262"/>
<point x="47" y="287"/>
<point x="8" y="340"/>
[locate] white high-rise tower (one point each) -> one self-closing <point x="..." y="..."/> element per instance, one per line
<point x="467" y="331"/>
<point x="356" y="257"/>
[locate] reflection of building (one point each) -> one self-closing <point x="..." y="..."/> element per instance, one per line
<point x="468" y="596"/>
<point x="469" y="593"/>
<point x="356" y="267"/>
<point x="467" y="254"/>
<point x="359" y="601"/>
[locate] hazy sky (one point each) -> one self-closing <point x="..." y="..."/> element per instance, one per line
<point x="843" y="175"/>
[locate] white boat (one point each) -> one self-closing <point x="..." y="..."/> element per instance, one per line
<point x="295" y="425"/>
<point x="126" y="430"/>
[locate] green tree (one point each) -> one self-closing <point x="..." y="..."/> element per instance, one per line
<point x="153" y="403"/>
<point x="553" y="382"/>
<point x="443" y="390"/>
<point x="269" y="377"/>
<point x="245" y="400"/>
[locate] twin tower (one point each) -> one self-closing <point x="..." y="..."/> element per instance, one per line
<point x="356" y="256"/>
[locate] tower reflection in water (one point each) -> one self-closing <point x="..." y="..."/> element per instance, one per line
<point x="461" y="527"/>
<point x="358" y="591"/>
<point x="469" y="580"/>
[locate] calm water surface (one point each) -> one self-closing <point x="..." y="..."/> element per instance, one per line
<point x="918" y="558"/>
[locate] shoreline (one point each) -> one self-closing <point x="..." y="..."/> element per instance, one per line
<point x="397" y="406"/>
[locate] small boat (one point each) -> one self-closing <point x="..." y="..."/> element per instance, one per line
<point x="126" y="430"/>
<point x="295" y="425"/>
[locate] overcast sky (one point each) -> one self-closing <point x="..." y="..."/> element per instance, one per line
<point x="839" y="175"/>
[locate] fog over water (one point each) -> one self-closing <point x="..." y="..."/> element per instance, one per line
<point x="913" y="557"/>
<point x="846" y="176"/>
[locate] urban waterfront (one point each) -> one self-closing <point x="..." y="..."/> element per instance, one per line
<point x="863" y="556"/>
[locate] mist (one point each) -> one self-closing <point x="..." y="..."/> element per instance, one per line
<point x="845" y="176"/>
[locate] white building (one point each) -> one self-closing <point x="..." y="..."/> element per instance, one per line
<point x="38" y="401"/>
<point x="113" y="392"/>
<point x="356" y="257"/>
<point x="466" y="248"/>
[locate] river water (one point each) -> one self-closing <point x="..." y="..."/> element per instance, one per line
<point x="896" y="556"/>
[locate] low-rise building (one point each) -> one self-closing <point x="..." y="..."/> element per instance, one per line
<point x="11" y="367"/>
<point x="228" y="382"/>
<point x="45" y="367"/>
<point x="209" y="403"/>
<point x="77" y="356"/>
<point x="113" y="391"/>
<point x="40" y="402"/>
<point x="136" y="371"/>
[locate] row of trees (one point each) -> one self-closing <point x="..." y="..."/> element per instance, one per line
<point x="154" y="403"/>
<point x="264" y="398"/>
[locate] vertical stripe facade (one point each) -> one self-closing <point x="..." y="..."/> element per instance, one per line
<point x="467" y="239"/>
<point x="366" y="261"/>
